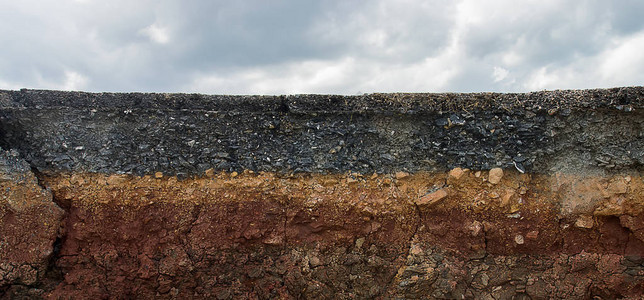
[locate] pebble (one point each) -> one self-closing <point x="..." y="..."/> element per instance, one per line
<point x="532" y="235"/>
<point x="401" y="175"/>
<point x="495" y="175"/>
<point x="618" y="187"/>
<point x="507" y="197"/>
<point x="432" y="198"/>
<point x="158" y="175"/>
<point x="519" y="239"/>
<point x="455" y="175"/>
<point x="584" y="222"/>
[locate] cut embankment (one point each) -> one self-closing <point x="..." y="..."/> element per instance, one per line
<point x="534" y="196"/>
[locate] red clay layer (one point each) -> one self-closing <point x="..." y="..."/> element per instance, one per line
<point x="462" y="234"/>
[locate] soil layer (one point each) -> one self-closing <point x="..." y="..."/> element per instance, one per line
<point x="382" y="196"/>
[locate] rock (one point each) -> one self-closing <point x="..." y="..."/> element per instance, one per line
<point x="314" y="261"/>
<point x="115" y="179"/>
<point x="507" y="197"/>
<point x="455" y="175"/>
<point x="234" y="174"/>
<point x="359" y="242"/>
<point x="401" y="175"/>
<point x="433" y="197"/>
<point x="415" y="249"/>
<point x="158" y="175"/>
<point x="533" y="235"/>
<point x="519" y="239"/>
<point x="618" y="187"/>
<point x="584" y="222"/>
<point x="495" y="175"/>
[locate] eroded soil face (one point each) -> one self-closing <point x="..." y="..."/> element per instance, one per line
<point x="439" y="235"/>
<point x="562" y="219"/>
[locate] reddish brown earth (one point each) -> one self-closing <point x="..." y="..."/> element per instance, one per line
<point x="29" y="224"/>
<point x="464" y="234"/>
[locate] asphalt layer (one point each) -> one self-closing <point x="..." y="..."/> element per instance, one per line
<point x="187" y="134"/>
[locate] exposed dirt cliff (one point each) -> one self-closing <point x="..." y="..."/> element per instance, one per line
<point x="458" y="196"/>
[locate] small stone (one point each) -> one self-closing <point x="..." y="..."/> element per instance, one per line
<point x="210" y="172"/>
<point x="519" y="239"/>
<point x="493" y="195"/>
<point x="115" y="179"/>
<point x="505" y="200"/>
<point x="477" y="174"/>
<point x="584" y="222"/>
<point x="433" y="197"/>
<point x="514" y="216"/>
<point x="415" y="249"/>
<point x="158" y="175"/>
<point x="314" y="261"/>
<point x="401" y="175"/>
<point x="495" y="175"/>
<point x="359" y="243"/>
<point x="234" y="174"/>
<point x="475" y="228"/>
<point x="456" y="174"/>
<point x="532" y="235"/>
<point x="374" y="176"/>
<point x="618" y="187"/>
<point x="350" y="179"/>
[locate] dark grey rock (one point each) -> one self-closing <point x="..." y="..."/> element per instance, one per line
<point x="185" y="134"/>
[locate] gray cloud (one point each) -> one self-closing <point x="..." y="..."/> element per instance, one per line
<point x="288" y="46"/>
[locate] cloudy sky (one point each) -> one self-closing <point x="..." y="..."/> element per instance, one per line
<point x="330" y="47"/>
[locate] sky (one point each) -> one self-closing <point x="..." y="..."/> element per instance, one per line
<point x="323" y="47"/>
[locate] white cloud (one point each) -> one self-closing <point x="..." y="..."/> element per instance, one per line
<point x="347" y="75"/>
<point x="620" y="64"/>
<point x="499" y="74"/>
<point x="73" y="81"/>
<point x="156" y="33"/>
<point x="321" y="47"/>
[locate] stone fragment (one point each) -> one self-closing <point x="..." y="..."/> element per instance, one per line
<point x="505" y="200"/>
<point x="519" y="239"/>
<point x="455" y="174"/>
<point x="401" y="175"/>
<point x="314" y="261"/>
<point x="433" y="197"/>
<point x="495" y="175"/>
<point x="415" y="249"/>
<point x="475" y="228"/>
<point x="618" y="187"/>
<point x="115" y="179"/>
<point x="359" y="242"/>
<point x="234" y="174"/>
<point x="584" y="222"/>
<point x="158" y="175"/>
<point x="532" y="234"/>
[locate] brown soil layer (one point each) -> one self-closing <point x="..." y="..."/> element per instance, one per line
<point x="461" y="234"/>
